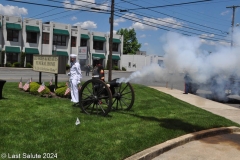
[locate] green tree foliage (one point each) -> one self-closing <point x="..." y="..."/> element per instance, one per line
<point x="130" y="42"/>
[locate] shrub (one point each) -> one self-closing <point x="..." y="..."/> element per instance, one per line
<point x="61" y="91"/>
<point x="123" y="68"/>
<point x="115" y="68"/>
<point x="34" y="89"/>
<point x="8" y="64"/>
<point x="67" y="67"/>
<point x="16" y="64"/>
<point x="23" y="55"/>
<point x="28" y="65"/>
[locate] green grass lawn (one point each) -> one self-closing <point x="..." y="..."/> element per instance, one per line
<point x="37" y="125"/>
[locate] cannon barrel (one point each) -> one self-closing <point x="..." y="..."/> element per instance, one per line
<point x="114" y="83"/>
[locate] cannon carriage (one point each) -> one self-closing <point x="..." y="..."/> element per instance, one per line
<point x="98" y="97"/>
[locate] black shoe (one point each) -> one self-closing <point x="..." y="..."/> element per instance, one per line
<point x="185" y="93"/>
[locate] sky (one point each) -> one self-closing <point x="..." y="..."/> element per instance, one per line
<point x="153" y="20"/>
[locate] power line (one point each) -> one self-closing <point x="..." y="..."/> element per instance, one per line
<point x="176" y="17"/>
<point x="176" y="4"/>
<point x="168" y="27"/>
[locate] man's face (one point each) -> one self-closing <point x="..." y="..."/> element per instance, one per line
<point x="72" y="59"/>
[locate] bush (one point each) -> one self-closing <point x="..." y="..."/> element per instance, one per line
<point x="16" y="64"/>
<point x="23" y="55"/>
<point x="61" y="91"/>
<point x="115" y="68"/>
<point x="9" y="64"/>
<point x="67" y="67"/>
<point x="34" y="89"/>
<point x="28" y="65"/>
<point x="123" y="68"/>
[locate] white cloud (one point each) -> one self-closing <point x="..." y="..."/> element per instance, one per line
<point x="143" y="36"/>
<point x="12" y="10"/>
<point x="86" y="24"/>
<point x="224" y="13"/>
<point x="152" y="24"/>
<point x="207" y="35"/>
<point x="84" y="4"/>
<point x="73" y="18"/>
<point x="118" y="20"/>
<point x="145" y="44"/>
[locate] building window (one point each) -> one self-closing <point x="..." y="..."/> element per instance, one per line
<point x="31" y="37"/>
<point x="115" y="47"/>
<point x="98" y="45"/>
<point x="12" y="57"/>
<point x="45" y="38"/>
<point x="73" y="41"/>
<point x="29" y="58"/>
<point x="83" y="42"/>
<point x="12" y="35"/>
<point x="59" y="40"/>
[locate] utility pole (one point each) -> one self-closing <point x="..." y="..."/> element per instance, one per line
<point x="233" y="17"/>
<point x="110" y="43"/>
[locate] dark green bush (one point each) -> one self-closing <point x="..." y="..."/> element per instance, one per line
<point x="67" y="67"/>
<point x="123" y="68"/>
<point x="115" y="68"/>
<point x="16" y="64"/>
<point x="28" y="65"/>
<point x="8" y="64"/>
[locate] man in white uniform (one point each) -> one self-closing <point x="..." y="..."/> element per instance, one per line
<point x="75" y="77"/>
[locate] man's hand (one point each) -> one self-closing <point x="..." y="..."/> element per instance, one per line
<point x="78" y="82"/>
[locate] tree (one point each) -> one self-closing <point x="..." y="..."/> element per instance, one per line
<point x="130" y="42"/>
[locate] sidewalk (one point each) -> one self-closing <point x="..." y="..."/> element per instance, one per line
<point x="217" y="143"/>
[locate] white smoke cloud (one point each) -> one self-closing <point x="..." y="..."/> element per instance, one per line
<point x="183" y="55"/>
<point x="12" y="10"/>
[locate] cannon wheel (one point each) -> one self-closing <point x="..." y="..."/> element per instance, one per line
<point x="123" y="97"/>
<point x="95" y="97"/>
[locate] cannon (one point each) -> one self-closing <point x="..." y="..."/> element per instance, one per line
<point x="97" y="97"/>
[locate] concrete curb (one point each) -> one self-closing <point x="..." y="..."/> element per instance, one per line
<point x="155" y="151"/>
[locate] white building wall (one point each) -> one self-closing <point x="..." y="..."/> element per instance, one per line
<point x="15" y="20"/>
<point x="61" y="26"/>
<point x="47" y="48"/>
<point x="35" y="23"/>
<point x="1" y="39"/>
<point x="138" y="62"/>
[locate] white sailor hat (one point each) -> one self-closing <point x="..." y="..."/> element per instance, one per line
<point x="73" y="55"/>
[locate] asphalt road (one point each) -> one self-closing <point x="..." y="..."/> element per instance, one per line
<point x="15" y="74"/>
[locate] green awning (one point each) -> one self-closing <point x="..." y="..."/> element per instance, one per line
<point x="98" y="56"/>
<point x="115" y="57"/>
<point x="13" y="26"/>
<point x="31" y="51"/>
<point x="60" y="53"/>
<point x="116" y="40"/>
<point x="12" y="49"/>
<point x="32" y="29"/>
<point x="97" y="38"/>
<point x="61" y="32"/>
<point x="84" y="36"/>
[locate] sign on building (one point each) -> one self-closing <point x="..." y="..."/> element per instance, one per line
<point x="82" y="53"/>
